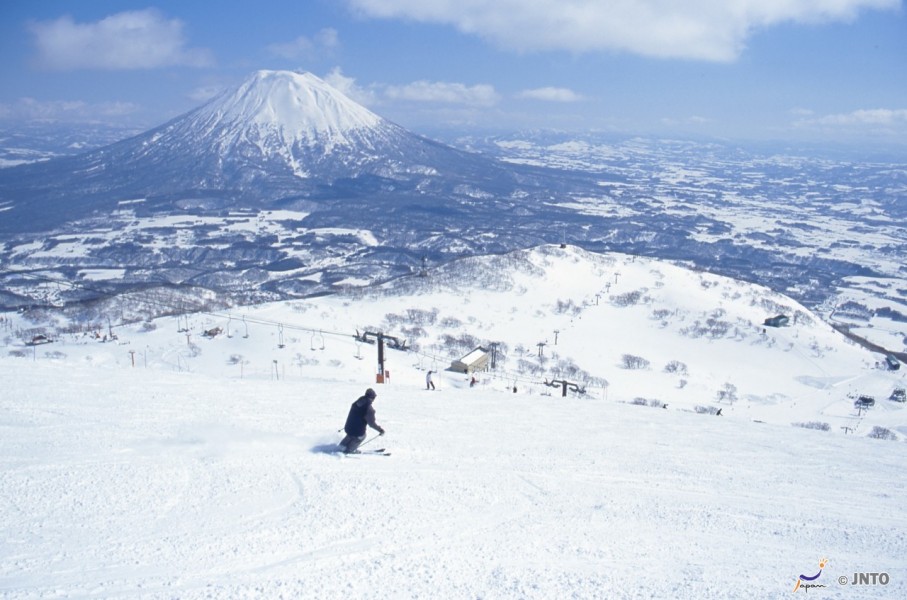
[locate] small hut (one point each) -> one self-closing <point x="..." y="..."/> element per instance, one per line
<point x="779" y="321"/>
<point x="477" y="360"/>
<point x="38" y="339"/>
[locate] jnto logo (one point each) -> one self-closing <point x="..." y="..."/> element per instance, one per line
<point x="805" y="581"/>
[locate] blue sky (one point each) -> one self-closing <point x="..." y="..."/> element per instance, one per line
<point x="812" y="70"/>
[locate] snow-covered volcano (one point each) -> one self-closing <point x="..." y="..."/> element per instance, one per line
<point x="280" y="123"/>
<point x="299" y="107"/>
<point x="279" y="137"/>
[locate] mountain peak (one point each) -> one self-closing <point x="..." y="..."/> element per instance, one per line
<point x="278" y="135"/>
<point x="298" y="107"/>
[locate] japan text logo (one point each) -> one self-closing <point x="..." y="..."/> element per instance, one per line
<point x="805" y="582"/>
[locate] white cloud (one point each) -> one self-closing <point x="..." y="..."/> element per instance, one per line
<point x="29" y="109"/>
<point x="348" y="86"/>
<point x="323" y="42"/>
<point x="444" y="92"/>
<point x="203" y="93"/>
<point x="869" y="117"/>
<point x="878" y="122"/>
<point x="551" y="94"/>
<point x="692" y="120"/>
<point x="714" y="30"/>
<point x="141" y="39"/>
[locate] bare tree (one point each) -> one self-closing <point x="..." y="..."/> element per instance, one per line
<point x="630" y="361"/>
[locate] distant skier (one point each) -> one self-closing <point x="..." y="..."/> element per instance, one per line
<point x="429" y="384"/>
<point x="362" y="413"/>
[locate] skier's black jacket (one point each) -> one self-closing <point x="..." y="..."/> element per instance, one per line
<point x="361" y="414"/>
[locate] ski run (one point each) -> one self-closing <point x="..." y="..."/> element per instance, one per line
<point x="167" y="464"/>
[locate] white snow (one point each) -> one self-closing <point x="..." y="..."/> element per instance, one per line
<point x="364" y="236"/>
<point x="297" y="107"/>
<point x="101" y="274"/>
<point x="168" y="465"/>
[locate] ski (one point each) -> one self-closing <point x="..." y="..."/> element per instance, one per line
<point x="375" y="452"/>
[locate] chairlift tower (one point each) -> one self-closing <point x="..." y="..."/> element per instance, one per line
<point x="380" y="337"/>
<point x="565" y="385"/>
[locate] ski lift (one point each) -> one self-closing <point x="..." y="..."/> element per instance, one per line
<point x="280" y="343"/>
<point x="358" y="350"/>
<point x="363" y="337"/>
<point x="229" y="321"/>
<point x="246" y="325"/>
<point x="314" y="336"/>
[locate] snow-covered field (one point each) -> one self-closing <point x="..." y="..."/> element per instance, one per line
<point x="168" y="465"/>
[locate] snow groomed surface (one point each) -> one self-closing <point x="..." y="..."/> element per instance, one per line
<point x="139" y="484"/>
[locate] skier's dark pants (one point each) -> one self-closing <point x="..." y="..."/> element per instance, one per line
<point x="351" y="442"/>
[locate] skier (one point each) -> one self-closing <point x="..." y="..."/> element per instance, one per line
<point x="429" y="384"/>
<point x="362" y="413"/>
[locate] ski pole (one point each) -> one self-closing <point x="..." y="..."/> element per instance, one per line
<point x="371" y="439"/>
